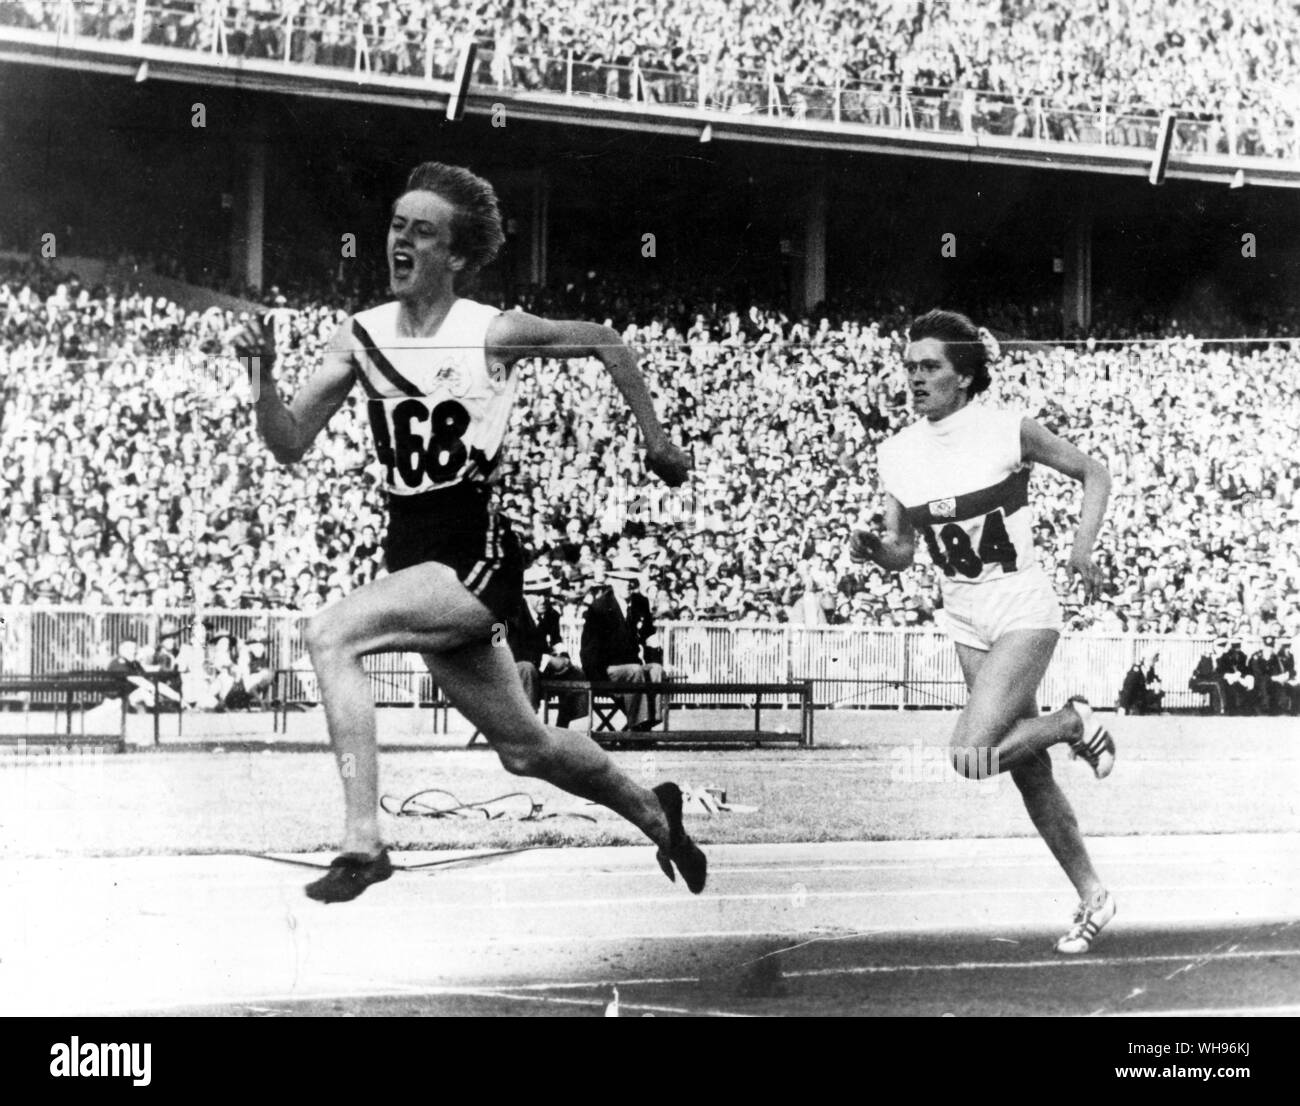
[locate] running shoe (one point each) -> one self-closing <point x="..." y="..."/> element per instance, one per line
<point x="1088" y="922"/>
<point x="681" y="851"/>
<point x="349" y="875"/>
<point x="1095" y="745"/>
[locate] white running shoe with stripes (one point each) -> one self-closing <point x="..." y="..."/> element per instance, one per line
<point x="1088" y="922"/>
<point x="1095" y="745"/>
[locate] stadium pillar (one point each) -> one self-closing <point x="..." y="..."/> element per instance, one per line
<point x="539" y="227"/>
<point x="811" y="286"/>
<point x="1076" y="308"/>
<point x="249" y="226"/>
<point x="525" y="197"/>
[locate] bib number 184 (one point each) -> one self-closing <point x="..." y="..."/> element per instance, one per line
<point x="957" y="555"/>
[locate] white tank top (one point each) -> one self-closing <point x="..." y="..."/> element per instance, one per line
<point x="965" y="488"/>
<point x="438" y="411"/>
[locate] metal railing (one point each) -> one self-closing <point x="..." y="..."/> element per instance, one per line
<point x="850" y="666"/>
<point x="410" y="51"/>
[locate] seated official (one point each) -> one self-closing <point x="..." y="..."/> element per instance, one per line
<point x="615" y="626"/>
<point x="1288" y="688"/>
<point x="529" y="635"/>
<point x="570" y="704"/>
<point x="253" y="670"/>
<point x="1231" y="667"/>
<point x="163" y="658"/>
<point x="1265" y="667"/>
<point x="141" y="694"/>
<point x="1142" y="692"/>
<point x="1206" y="679"/>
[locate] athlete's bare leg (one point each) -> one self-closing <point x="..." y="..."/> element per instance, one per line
<point x="1003" y="687"/>
<point x="482" y="682"/>
<point x="425" y="609"/>
<point x="1002" y="709"/>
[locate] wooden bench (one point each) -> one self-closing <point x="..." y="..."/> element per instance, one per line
<point x="383" y="683"/>
<point x="670" y="694"/>
<point x="72" y="691"/>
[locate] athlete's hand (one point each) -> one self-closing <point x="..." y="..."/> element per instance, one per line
<point x="863" y="546"/>
<point x="254" y="343"/>
<point x="671" y="464"/>
<point x="1089" y="574"/>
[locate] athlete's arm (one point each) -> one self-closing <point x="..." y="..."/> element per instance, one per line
<point x="290" y="429"/>
<point x="1040" y="445"/>
<point x="895" y="548"/>
<point x="516" y="335"/>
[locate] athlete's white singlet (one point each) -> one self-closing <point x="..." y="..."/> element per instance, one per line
<point x="965" y="488"/>
<point x="438" y="410"/>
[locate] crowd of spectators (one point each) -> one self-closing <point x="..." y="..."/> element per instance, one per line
<point x="132" y="473"/>
<point x="1021" y="67"/>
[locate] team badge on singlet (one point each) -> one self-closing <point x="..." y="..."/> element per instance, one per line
<point x="452" y="377"/>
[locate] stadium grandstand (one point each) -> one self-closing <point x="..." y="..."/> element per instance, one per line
<point x="1202" y="540"/>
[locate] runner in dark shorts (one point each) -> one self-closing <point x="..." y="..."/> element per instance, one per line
<point x="439" y="373"/>
<point x="484" y="553"/>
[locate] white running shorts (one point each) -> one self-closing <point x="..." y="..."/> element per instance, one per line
<point x="978" y="614"/>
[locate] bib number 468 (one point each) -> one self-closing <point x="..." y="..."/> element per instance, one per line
<point x="420" y="445"/>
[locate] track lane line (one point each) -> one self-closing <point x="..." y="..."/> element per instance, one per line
<point x="1288" y="1011"/>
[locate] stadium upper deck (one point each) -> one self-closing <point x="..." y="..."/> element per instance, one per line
<point x="1041" y="74"/>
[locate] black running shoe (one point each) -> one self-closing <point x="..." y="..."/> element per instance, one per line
<point x="349" y="875"/>
<point x="681" y="851"/>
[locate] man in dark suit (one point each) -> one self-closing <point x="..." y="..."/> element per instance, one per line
<point x="1141" y="693"/>
<point x="1231" y="668"/>
<point x="614" y="630"/>
<point x="1265" y="668"/>
<point x="1132" y="696"/>
<point x="533" y="634"/>
<point x="1286" y="683"/>
<point x="1206" y="677"/>
<point x="547" y="615"/>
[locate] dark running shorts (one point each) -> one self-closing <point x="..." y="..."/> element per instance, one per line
<point x="480" y="547"/>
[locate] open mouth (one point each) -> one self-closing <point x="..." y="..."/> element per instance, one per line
<point x="403" y="264"/>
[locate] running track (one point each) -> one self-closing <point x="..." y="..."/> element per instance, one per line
<point x="1207" y="924"/>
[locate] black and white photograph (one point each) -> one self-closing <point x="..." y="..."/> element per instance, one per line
<point x="612" y="508"/>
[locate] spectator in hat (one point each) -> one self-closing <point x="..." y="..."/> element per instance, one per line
<point x="532" y="646"/>
<point x="541" y="604"/>
<point x="1288" y="689"/>
<point x="614" y="628"/>
<point x="163" y="658"/>
<point x="197" y="690"/>
<point x="1207" y="679"/>
<point x="1231" y="668"/>
<point x="1265" y="667"/>
<point x="255" y="673"/>
<point x="1154" y="698"/>
<point x="140" y="691"/>
<point x="223" y="667"/>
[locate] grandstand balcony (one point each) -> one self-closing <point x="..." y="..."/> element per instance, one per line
<point x="304" y="52"/>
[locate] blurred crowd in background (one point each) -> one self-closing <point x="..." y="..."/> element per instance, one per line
<point x="132" y="472"/>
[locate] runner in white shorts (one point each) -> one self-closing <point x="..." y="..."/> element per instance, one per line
<point x="959" y="477"/>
